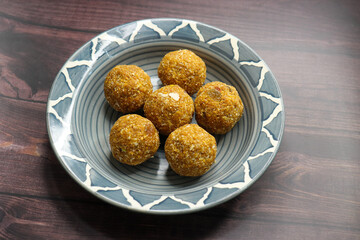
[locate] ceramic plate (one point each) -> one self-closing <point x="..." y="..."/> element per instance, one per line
<point x="79" y="119"/>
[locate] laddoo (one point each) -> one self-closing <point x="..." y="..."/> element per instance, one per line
<point x="183" y="68"/>
<point x="168" y="108"/>
<point x="218" y="107"/>
<point x="133" y="139"/>
<point x="190" y="150"/>
<point x="126" y="88"/>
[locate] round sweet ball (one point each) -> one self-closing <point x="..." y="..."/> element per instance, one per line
<point x="126" y="88"/>
<point x="168" y="108"/>
<point x="218" y="107"/>
<point x="190" y="150"/>
<point x="133" y="139"/>
<point x="183" y="68"/>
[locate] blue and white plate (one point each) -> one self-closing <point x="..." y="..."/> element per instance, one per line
<point x="79" y="119"/>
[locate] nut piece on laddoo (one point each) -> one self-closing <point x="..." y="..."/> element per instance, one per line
<point x="190" y="150"/>
<point x="183" y="68"/>
<point x="169" y="108"/>
<point x="126" y="88"/>
<point x="218" y="107"/>
<point x="133" y="139"/>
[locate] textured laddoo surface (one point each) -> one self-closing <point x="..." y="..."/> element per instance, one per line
<point x="126" y="88"/>
<point x="169" y="108"/>
<point x="190" y="150"/>
<point x="133" y="139"/>
<point x="218" y="107"/>
<point x="183" y="68"/>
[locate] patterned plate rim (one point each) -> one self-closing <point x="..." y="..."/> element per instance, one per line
<point x="130" y="203"/>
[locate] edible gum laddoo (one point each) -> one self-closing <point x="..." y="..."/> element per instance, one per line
<point x="126" y="88"/>
<point x="169" y="108"/>
<point x="133" y="139"/>
<point x="183" y="68"/>
<point x="190" y="150"/>
<point x="218" y="107"/>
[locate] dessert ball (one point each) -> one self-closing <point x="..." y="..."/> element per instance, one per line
<point x="169" y="108"/>
<point x="190" y="150"/>
<point x="133" y="139"/>
<point x="183" y="68"/>
<point x="126" y="87"/>
<point x="218" y="107"/>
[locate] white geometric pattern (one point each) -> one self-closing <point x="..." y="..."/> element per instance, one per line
<point x="104" y="40"/>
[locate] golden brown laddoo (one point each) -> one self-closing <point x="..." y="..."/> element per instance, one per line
<point x="218" y="107"/>
<point x="169" y="108"/>
<point x="126" y="88"/>
<point x="190" y="150"/>
<point x="133" y="139"/>
<point x="183" y="68"/>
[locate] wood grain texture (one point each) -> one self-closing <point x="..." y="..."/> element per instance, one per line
<point x="310" y="191"/>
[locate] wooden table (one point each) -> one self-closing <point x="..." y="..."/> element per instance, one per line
<point x="310" y="191"/>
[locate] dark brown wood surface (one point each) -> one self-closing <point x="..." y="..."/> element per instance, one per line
<point x="310" y="191"/>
